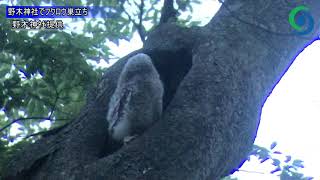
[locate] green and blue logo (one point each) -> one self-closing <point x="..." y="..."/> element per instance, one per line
<point x="302" y="24"/>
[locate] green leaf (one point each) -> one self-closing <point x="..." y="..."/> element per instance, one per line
<point x="298" y="163"/>
<point x="277" y="152"/>
<point x="273" y="145"/>
<point x="276" y="162"/>
<point x="288" y="159"/>
<point x="275" y="170"/>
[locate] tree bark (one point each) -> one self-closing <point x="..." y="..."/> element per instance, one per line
<point x="216" y="79"/>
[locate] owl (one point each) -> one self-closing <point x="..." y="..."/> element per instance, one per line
<point x="137" y="100"/>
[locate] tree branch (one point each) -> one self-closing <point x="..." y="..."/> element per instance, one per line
<point x="28" y="118"/>
<point x="237" y="17"/>
<point x="46" y="133"/>
<point x="36" y="134"/>
<point x="138" y="26"/>
<point x="247" y="171"/>
<point x="141" y="29"/>
<point x="168" y="12"/>
<point x="22" y="119"/>
<point x="55" y="102"/>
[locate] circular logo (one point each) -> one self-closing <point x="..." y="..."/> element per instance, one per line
<point x="304" y="22"/>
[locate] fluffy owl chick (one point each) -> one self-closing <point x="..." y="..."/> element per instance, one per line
<point x="137" y="100"/>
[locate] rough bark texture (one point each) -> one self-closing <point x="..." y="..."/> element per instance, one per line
<point x="216" y="80"/>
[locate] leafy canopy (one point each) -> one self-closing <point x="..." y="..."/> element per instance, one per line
<point x="45" y="75"/>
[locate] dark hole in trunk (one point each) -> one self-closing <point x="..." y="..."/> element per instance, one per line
<point x="172" y="67"/>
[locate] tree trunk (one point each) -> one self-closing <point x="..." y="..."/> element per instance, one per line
<point x="216" y="79"/>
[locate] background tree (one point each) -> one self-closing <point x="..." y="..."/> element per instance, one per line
<point x="45" y="86"/>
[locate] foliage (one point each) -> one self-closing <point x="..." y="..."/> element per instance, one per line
<point x="45" y="75"/>
<point x="284" y="165"/>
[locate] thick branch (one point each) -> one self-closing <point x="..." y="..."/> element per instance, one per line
<point x="168" y="12"/>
